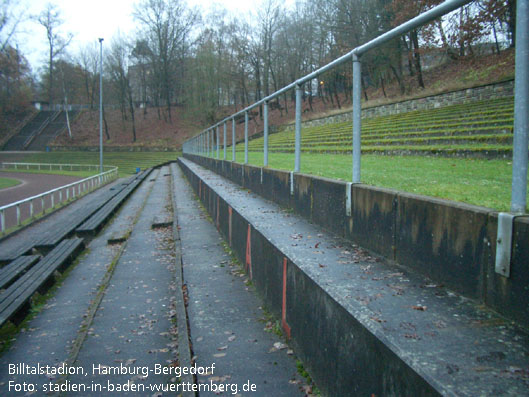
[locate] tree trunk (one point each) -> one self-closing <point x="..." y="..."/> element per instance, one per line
<point x="50" y="83"/>
<point x="495" y="37"/>
<point x="417" y="57"/>
<point x="409" y="56"/>
<point x="131" y="107"/>
<point x="399" y="79"/>
<point x="364" y="89"/>
<point x="382" y="85"/>
<point x="511" y="5"/>
<point x="106" y="125"/>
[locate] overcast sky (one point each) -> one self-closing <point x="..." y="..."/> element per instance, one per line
<point x="90" y="19"/>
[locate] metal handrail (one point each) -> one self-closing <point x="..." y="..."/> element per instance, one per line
<point x="83" y="186"/>
<point x="204" y="143"/>
<point x="422" y="19"/>
<point x="35" y="133"/>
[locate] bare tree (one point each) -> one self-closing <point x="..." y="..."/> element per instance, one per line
<point x="166" y="26"/>
<point x="9" y="21"/>
<point x="118" y="66"/>
<point x="50" y="19"/>
<point x="88" y="60"/>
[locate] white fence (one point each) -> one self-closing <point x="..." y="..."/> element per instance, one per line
<point x="14" y="214"/>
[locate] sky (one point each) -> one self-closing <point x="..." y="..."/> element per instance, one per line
<point x="89" y="20"/>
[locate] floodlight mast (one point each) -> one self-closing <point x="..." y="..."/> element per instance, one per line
<point x="101" y="105"/>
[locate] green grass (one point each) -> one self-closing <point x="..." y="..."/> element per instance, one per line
<point x="126" y="161"/>
<point x="400" y="152"/>
<point x="8" y="182"/>
<point x="474" y="181"/>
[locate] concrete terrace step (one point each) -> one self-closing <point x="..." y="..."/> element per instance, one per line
<point x="362" y="325"/>
<point x="477" y="119"/>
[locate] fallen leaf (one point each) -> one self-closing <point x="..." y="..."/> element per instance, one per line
<point x="419" y="307"/>
<point x="280" y="346"/>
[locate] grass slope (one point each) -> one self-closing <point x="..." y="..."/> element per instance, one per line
<point x="480" y="182"/>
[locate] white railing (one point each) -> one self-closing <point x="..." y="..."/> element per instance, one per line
<point x="51" y="167"/>
<point x="31" y="207"/>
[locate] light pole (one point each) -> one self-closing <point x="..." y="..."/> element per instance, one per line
<point x="101" y="105"/>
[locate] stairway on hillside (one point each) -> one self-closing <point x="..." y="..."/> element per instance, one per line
<point x="53" y="129"/>
<point x="38" y="122"/>
<point x="39" y="131"/>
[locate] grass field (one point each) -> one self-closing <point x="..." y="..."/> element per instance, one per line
<point x="474" y="181"/>
<point x="8" y="182"/>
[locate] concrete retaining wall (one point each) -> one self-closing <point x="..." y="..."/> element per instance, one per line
<point x="343" y="357"/>
<point x="450" y="243"/>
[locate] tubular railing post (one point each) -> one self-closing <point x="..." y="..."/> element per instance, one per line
<point x="207" y="143"/>
<point x="246" y="137"/>
<point x="420" y="20"/>
<point x="233" y="139"/>
<point x="224" y="141"/>
<point x="265" y="148"/>
<point x="212" y="143"/>
<point x="297" y="164"/>
<point x="521" y="109"/>
<point x="3" y="220"/>
<point x="357" y="117"/>
<point x="18" y="215"/>
<point x="218" y="143"/>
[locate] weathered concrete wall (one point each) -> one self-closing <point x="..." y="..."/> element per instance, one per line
<point x="343" y="357"/>
<point x="450" y="243"/>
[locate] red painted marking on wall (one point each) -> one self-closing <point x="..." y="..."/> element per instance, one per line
<point x="218" y="206"/>
<point x="284" y="323"/>
<point x="230" y="211"/>
<point x="200" y="188"/>
<point x="249" y="251"/>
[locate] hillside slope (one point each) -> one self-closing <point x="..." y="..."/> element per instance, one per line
<point x="154" y="131"/>
<point x="151" y="131"/>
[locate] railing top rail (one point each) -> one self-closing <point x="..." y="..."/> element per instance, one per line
<point x="59" y="164"/>
<point x="420" y="20"/>
<point x="114" y="169"/>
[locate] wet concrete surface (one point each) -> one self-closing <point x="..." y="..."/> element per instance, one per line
<point x="458" y="346"/>
<point x="228" y="326"/>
